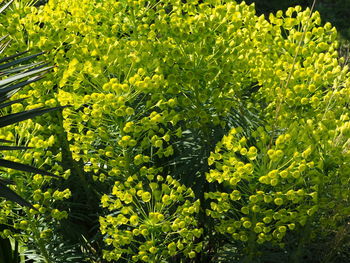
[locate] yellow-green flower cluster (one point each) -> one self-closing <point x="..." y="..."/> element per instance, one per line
<point x="155" y="220"/>
<point x="271" y="190"/>
<point x="303" y="65"/>
<point x="131" y="93"/>
<point x="298" y="173"/>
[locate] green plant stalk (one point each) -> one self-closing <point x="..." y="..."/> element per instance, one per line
<point x="204" y="220"/>
<point x="67" y="159"/>
<point x="37" y="239"/>
<point x="251" y="244"/>
<point x="304" y="238"/>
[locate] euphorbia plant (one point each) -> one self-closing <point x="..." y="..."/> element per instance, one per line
<point x="285" y="177"/>
<point x="156" y="92"/>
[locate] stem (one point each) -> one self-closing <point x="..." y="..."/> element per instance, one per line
<point x="43" y="250"/>
<point x="205" y="221"/>
<point x="305" y="236"/>
<point x="251" y="244"/>
<point x="38" y="240"/>
<point x="67" y="158"/>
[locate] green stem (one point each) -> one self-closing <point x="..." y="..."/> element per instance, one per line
<point x="67" y="158"/>
<point x="251" y="253"/>
<point x="303" y="240"/>
<point x="204" y="221"/>
<point x="38" y="240"/>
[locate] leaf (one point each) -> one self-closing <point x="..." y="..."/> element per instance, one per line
<point x="5" y="141"/>
<point x="24" y="115"/>
<point x="1" y="39"/>
<point x="12" y="56"/>
<point x="24" y="168"/>
<point x="8" y="95"/>
<point x="38" y="67"/>
<point x="9" y="104"/>
<point x="19" y="61"/>
<point x="7" y="92"/>
<point x="22" y="75"/>
<point x="22" y="68"/>
<point x="4" y="46"/>
<point x="11" y="148"/>
<point x="5" y="6"/>
<point x="8" y="194"/>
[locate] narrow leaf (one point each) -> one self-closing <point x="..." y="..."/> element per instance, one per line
<point x="5" y="6"/>
<point x="22" y="75"/>
<point x="19" y="61"/>
<point x="2" y="38"/>
<point x="8" y="194"/>
<point x="5" y="141"/>
<point x="38" y="67"/>
<point x="4" y="46"/>
<point x="12" y="56"/>
<point x="22" y="68"/>
<point x="24" y="168"/>
<point x="8" y="95"/>
<point x="7" y="89"/>
<point x="24" y="115"/>
<point x="10" y="103"/>
<point x="10" y="148"/>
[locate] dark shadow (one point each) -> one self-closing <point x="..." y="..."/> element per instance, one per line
<point x="336" y="12"/>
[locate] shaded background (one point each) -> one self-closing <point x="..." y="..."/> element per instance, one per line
<point x="335" y="11"/>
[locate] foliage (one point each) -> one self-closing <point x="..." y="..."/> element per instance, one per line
<point x="17" y="77"/>
<point x="16" y="73"/>
<point x="196" y="142"/>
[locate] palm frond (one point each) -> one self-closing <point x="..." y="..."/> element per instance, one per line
<point x="17" y="72"/>
<point x="5" y="6"/>
<point x="8" y="194"/>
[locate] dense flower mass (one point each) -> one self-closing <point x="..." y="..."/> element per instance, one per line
<point x="156" y="220"/>
<point x="275" y="189"/>
<point x="200" y="119"/>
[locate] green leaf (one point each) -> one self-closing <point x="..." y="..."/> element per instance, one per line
<point x="11" y="148"/>
<point x="10" y="103"/>
<point x="22" y="68"/>
<point x="5" y="141"/>
<point x="19" y="61"/>
<point x="23" y="75"/>
<point x="24" y="168"/>
<point x="1" y="39"/>
<point x="3" y="46"/>
<point x="5" y="6"/>
<point x="8" y="194"/>
<point x="12" y="56"/>
<point x="24" y="115"/>
<point x="7" y="92"/>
